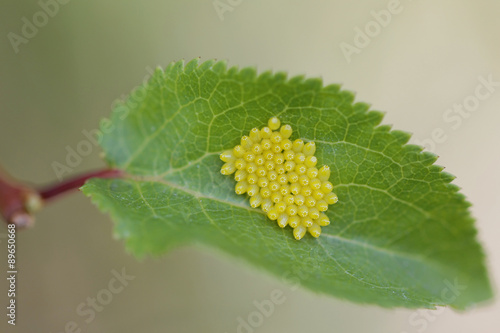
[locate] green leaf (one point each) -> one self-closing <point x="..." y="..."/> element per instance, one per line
<point x="401" y="234"/>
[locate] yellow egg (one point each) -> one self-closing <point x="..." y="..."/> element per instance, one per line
<point x="227" y="156"/>
<point x="246" y="142"/>
<point x="276" y="138"/>
<point x="324" y="173"/>
<point x="299" y="232"/>
<point x="228" y="168"/>
<point x="274" y="123"/>
<point x="298" y="145"/>
<point x="255" y="135"/>
<point x="286" y="144"/>
<point x="240" y="164"/>
<point x="238" y="151"/>
<point x="323" y="220"/>
<point x="309" y="148"/>
<point x="331" y="198"/>
<point x="314" y="230"/>
<point x="286" y="131"/>
<point x="265" y="133"/>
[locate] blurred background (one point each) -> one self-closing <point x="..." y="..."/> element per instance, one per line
<point x="59" y="78"/>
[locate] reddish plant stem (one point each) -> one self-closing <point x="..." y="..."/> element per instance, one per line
<point x="74" y="183"/>
<point x="18" y="201"/>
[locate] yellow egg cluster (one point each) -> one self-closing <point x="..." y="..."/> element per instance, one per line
<point x="281" y="177"/>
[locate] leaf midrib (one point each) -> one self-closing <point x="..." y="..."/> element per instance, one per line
<point x="364" y="245"/>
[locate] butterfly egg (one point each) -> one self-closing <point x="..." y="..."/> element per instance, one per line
<point x="286" y="144"/>
<point x="309" y="148"/>
<point x="266" y="144"/>
<point x="263" y="182"/>
<point x="279" y="158"/>
<point x="306" y="191"/>
<point x="286" y="131"/>
<point x="299" y="232"/>
<point x="265" y="133"/>
<point x="295" y="188"/>
<point x="276" y="148"/>
<point x="314" y="213"/>
<point x="240" y="175"/>
<point x="314" y="230"/>
<point x="259" y="160"/>
<point x="293" y="177"/>
<point x="246" y="142"/>
<point x="276" y="197"/>
<point x="306" y="221"/>
<point x="256" y="201"/>
<point x="249" y="157"/>
<point x="331" y="198"/>
<point x="274" y="186"/>
<point x="283" y="179"/>
<point x="255" y="135"/>
<point x="228" y="168"/>
<point x="265" y="192"/>
<point x="318" y="195"/>
<point x="324" y="173"/>
<point x="294" y="221"/>
<point x="252" y="178"/>
<point x="256" y="149"/>
<point x="276" y="138"/>
<point x="315" y="184"/>
<point x="312" y="173"/>
<point x="272" y="175"/>
<point x="298" y="145"/>
<point x="284" y="189"/>
<point x="299" y="158"/>
<point x="280" y="169"/>
<point x="274" y="123"/>
<point x="280" y="207"/>
<point x="300" y="169"/>
<point x="310" y="201"/>
<point x="326" y="187"/>
<point x="267" y="204"/>
<point x="269" y="165"/>
<point x="227" y="156"/>
<point x="283" y="220"/>
<point x="311" y="161"/>
<point x="303" y="180"/>
<point x="289" y="155"/>
<point x="322" y="206"/>
<point x="289" y="165"/>
<point x="238" y="151"/>
<point x="323" y="220"/>
<point x="292" y="210"/>
<point x="240" y="164"/>
<point x="241" y="187"/>
<point x="303" y="211"/>
<point x="251" y="167"/>
<point x="272" y="214"/>
<point x="289" y="199"/>
<point x="299" y="200"/>
<point x="261" y="171"/>
<point x="253" y="190"/>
